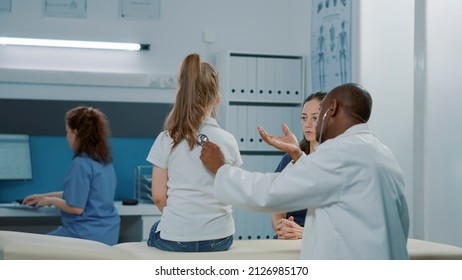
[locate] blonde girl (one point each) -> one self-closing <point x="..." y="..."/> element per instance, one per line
<point x="193" y="220"/>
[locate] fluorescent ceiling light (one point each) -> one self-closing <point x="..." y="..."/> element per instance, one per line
<point x="73" y="44"/>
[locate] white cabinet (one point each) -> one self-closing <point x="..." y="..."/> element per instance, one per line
<point x="137" y="220"/>
<point x="259" y="90"/>
<point x="148" y="221"/>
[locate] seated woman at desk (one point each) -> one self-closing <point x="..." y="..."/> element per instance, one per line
<point x="290" y="225"/>
<point x="87" y="199"/>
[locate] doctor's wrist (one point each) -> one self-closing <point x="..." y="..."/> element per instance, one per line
<point x="296" y="155"/>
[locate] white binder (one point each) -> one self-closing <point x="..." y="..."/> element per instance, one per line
<point x="251" y="85"/>
<point x="269" y="78"/>
<point x="241" y="118"/>
<point x="238" y="78"/>
<point x="280" y="78"/>
<point x="295" y="80"/>
<point x="251" y="127"/>
<point x="231" y="125"/>
<point x="261" y="121"/>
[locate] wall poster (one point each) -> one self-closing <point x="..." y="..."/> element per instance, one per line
<point x="65" y="8"/>
<point x="140" y="9"/>
<point x="330" y="44"/>
<point x="5" y="6"/>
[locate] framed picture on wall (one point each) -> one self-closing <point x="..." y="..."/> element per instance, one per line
<point x="330" y="44"/>
<point x="140" y="9"/>
<point x="65" y="8"/>
<point x="5" y="6"/>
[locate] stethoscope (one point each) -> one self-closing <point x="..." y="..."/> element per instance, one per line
<point x="202" y="139"/>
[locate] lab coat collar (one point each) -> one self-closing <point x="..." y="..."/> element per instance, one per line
<point x="210" y="121"/>
<point x="356" y="129"/>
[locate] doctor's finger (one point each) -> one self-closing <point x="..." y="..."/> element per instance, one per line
<point x="207" y="147"/>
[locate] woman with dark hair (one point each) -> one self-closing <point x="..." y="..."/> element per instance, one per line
<point x="193" y="220"/>
<point x="87" y="199"/>
<point x="290" y="225"/>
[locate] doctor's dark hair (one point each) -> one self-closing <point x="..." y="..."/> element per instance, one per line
<point x="355" y="100"/>
<point x="198" y="90"/>
<point x="304" y="144"/>
<point x="92" y="133"/>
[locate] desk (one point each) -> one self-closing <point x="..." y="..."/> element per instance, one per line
<point x="136" y="220"/>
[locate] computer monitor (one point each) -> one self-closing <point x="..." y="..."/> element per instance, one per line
<point x="15" y="157"/>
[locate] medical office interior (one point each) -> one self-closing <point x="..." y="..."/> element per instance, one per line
<point x="405" y="52"/>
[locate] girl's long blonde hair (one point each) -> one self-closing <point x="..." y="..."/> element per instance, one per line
<point x="197" y="92"/>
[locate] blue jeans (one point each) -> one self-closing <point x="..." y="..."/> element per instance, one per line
<point x="214" y="245"/>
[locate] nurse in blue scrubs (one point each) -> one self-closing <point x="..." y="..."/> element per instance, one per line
<point x="87" y="199"/>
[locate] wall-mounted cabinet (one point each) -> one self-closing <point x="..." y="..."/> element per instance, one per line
<point x="259" y="90"/>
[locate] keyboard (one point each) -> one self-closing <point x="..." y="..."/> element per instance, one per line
<point x="16" y="205"/>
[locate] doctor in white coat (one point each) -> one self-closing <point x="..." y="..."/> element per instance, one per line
<point x="352" y="185"/>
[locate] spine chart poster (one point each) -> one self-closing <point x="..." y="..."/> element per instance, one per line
<point x="330" y="44"/>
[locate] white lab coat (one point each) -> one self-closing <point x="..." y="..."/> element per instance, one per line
<point x="353" y="189"/>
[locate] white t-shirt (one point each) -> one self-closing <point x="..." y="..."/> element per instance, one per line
<point x="192" y="212"/>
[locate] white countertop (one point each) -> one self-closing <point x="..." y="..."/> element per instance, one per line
<point x="10" y="210"/>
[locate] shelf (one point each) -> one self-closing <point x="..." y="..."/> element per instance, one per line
<point x="87" y="78"/>
<point x="142" y="183"/>
<point x="262" y="152"/>
<point x="273" y="103"/>
<point x="257" y="55"/>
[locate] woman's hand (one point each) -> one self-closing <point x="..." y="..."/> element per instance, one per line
<point x="33" y="200"/>
<point x="39" y="200"/>
<point x="44" y="201"/>
<point x="287" y="143"/>
<point x="288" y="229"/>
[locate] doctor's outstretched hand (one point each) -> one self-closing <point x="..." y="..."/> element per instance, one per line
<point x="287" y="143"/>
<point x="212" y="157"/>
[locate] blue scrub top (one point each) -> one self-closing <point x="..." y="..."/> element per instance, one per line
<point x="90" y="185"/>
<point x="299" y="216"/>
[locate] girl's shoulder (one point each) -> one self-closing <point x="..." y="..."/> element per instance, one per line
<point x="163" y="135"/>
<point x="219" y="135"/>
<point x="226" y="133"/>
<point x="163" y="139"/>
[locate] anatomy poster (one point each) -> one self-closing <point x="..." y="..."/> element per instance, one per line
<point x="330" y="44"/>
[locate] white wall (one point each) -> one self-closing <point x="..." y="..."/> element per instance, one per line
<point x="444" y="125"/>
<point x="416" y="93"/>
<point x="267" y="26"/>
<point x="385" y="68"/>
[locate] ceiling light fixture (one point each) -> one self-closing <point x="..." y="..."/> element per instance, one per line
<point x="73" y="44"/>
